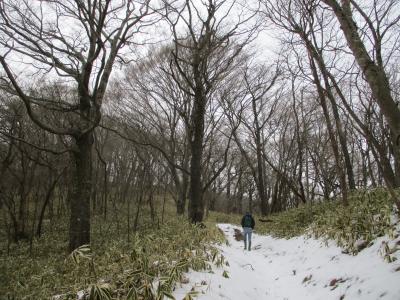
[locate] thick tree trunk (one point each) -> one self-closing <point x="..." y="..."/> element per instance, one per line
<point x="79" y="229"/>
<point x="196" y="205"/>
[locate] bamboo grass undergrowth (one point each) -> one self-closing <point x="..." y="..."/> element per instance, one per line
<point x="145" y="265"/>
<point x="370" y="214"/>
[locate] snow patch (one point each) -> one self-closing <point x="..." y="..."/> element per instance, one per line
<point x="297" y="268"/>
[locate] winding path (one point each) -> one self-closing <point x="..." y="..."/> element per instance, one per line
<point x="295" y="269"/>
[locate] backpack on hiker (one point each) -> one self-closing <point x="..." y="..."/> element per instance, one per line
<point x="248" y="221"/>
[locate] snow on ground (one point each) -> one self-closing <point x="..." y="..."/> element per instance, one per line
<point x="298" y="268"/>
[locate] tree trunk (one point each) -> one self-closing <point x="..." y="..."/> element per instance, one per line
<point x="196" y="205"/>
<point x="196" y="189"/>
<point x="79" y="229"/>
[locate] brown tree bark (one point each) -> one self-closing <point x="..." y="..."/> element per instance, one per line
<point x="196" y="202"/>
<point x="79" y="226"/>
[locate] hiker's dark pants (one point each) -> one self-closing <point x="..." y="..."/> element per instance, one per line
<point x="247" y="231"/>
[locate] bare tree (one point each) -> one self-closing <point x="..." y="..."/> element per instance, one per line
<point x="77" y="42"/>
<point x="257" y="101"/>
<point x="310" y="21"/>
<point x="150" y="97"/>
<point x="379" y="20"/>
<point x="207" y="40"/>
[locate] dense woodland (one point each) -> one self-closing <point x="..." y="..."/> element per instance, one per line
<point x="111" y="107"/>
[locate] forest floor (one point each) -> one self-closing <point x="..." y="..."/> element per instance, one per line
<point x="296" y="268"/>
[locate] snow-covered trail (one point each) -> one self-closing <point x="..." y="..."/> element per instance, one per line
<point x="298" y="269"/>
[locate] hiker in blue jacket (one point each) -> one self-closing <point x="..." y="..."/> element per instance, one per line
<point x="248" y="224"/>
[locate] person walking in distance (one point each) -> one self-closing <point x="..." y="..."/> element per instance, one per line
<point x="248" y="224"/>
